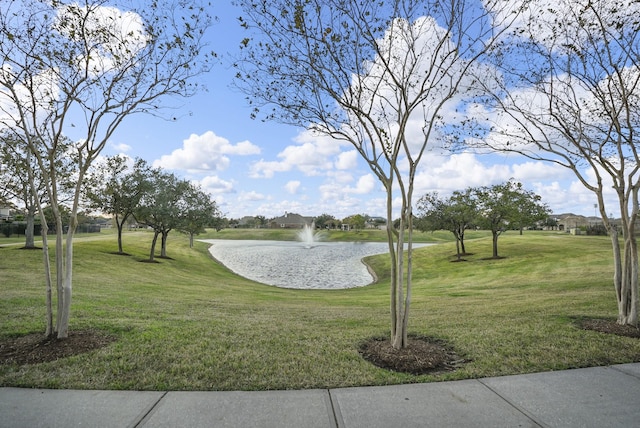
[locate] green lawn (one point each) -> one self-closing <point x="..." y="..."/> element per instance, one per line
<point x="189" y="324"/>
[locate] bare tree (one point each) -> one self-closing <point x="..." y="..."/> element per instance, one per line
<point x="382" y="76"/>
<point x="569" y="93"/>
<point x="88" y="65"/>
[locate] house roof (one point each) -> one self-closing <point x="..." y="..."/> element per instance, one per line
<point x="292" y="218"/>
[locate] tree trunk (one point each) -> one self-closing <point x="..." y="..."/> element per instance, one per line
<point x="153" y="245"/>
<point x="399" y="339"/>
<point x="628" y="286"/>
<point x="44" y="231"/>
<point x="617" y="268"/>
<point x="47" y="276"/>
<point x="464" y="251"/>
<point x="409" y="277"/>
<point x="625" y="276"/>
<point x="67" y="289"/>
<point x="29" y="234"/>
<point x="459" y="243"/>
<point x="59" y="255"/>
<point x="393" y="266"/>
<point x="495" y="243"/>
<point x="120" y="225"/>
<point x="163" y="245"/>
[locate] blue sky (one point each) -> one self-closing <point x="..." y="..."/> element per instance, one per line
<point x="255" y="168"/>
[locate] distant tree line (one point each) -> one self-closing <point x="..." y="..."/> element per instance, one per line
<point x="152" y="197"/>
<point x="148" y="196"/>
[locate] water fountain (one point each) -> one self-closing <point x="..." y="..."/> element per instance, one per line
<point x="308" y="235"/>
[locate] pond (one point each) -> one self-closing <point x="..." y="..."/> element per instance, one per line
<point x="292" y="264"/>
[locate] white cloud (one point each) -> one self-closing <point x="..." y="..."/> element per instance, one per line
<point x="266" y="169"/>
<point x="216" y="185"/>
<point x="340" y="176"/>
<point x="365" y="184"/>
<point x="121" y="147"/>
<point x="313" y="155"/>
<point x="206" y="152"/>
<point x="292" y="186"/>
<point x="538" y="170"/>
<point x="251" y="196"/>
<point x="347" y="160"/>
<point x="445" y="174"/>
<point x="44" y="93"/>
<point x="580" y="24"/>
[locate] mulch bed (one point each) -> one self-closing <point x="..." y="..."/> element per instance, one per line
<point x="422" y="355"/>
<point x="35" y="348"/>
<point x="608" y="326"/>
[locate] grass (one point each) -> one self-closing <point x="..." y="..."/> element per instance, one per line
<point x="369" y="235"/>
<point x="190" y="324"/>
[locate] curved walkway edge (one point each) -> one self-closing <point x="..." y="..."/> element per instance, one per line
<point x="588" y="397"/>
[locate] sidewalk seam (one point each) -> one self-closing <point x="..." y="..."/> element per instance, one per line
<point x="145" y="414"/>
<point x="620" y="370"/>
<point x="503" y="398"/>
<point x="335" y="411"/>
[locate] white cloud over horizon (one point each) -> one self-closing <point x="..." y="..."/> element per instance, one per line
<point x="297" y="170"/>
<point x="205" y="152"/>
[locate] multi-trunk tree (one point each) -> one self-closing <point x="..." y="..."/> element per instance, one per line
<point x="455" y="214"/>
<point x="384" y="77"/>
<point x="567" y="91"/>
<point x="81" y="68"/>
<point x="169" y="203"/>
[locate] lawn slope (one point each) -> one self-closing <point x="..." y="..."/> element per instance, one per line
<point x="187" y="323"/>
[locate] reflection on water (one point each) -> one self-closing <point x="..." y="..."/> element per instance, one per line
<point x="289" y="264"/>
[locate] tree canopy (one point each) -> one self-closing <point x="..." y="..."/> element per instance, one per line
<point x="507" y="205"/>
<point x="455" y="214"/>
<point x="566" y="89"/>
<point x="82" y="68"/>
<point x="361" y="72"/>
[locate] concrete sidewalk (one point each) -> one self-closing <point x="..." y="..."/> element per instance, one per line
<point x="591" y="397"/>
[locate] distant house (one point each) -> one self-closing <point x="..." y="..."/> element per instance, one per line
<point x="376" y="223"/>
<point x="290" y="221"/>
<point x="571" y="221"/>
